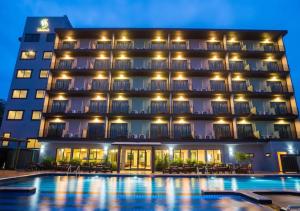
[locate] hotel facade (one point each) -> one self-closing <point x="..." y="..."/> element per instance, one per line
<point x="137" y="95"/>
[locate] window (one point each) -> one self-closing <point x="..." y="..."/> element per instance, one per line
<point x="7" y="136"/>
<point x="96" y="155"/>
<point x="50" y="37"/>
<point x="80" y="154"/>
<point x="33" y="144"/>
<point x="28" y="54"/>
<point x="63" y="154"/>
<point x="36" y="115"/>
<point x="47" y="55"/>
<point x="44" y="73"/>
<point x="213" y="156"/>
<point x="24" y="74"/>
<point x="15" y="115"/>
<point x="19" y="94"/>
<point x="32" y="37"/>
<point x="40" y="94"/>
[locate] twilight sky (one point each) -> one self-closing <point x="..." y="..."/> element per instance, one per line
<point x="236" y="14"/>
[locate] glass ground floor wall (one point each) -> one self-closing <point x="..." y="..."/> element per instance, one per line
<point x="264" y="156"/>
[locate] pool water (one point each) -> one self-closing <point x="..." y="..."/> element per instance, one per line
<point x="137" y="193"/>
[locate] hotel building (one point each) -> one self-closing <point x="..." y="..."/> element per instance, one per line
<point x="135" y="95"/>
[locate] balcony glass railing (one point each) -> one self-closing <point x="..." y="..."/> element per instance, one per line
<point x="159" y="64"/>
<point x="123" y="64"/>
<point x="103" y="45"/>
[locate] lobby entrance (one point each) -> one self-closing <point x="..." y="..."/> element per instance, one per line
<point x="137" y="159"/>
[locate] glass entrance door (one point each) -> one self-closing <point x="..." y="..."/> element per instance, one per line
<point x="137" y="159"/>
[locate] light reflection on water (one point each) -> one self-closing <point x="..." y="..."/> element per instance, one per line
<point x="96" y="192"/>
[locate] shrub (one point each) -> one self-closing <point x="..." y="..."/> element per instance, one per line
<point x="75" y="162"/>
<point x="48" y="162"/>
<point x="241" y="157"/>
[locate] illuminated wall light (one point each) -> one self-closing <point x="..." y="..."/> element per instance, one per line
<point x="171" y="148"/>
<point x="105" y="149"/>
<point x="121" y="76"/>
<point x="290" y="149"/>
<point x="42" y="149"/>
<point x="179" y="57"/>
<point x="231" y="151"/>
<point x="179" y="77"/>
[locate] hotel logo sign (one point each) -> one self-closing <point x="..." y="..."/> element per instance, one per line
<point x="44" y="25"/>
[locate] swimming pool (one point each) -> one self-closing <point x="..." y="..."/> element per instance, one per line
<point x="125" y="192"/>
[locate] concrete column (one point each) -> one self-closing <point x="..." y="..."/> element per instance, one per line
<point x="119" y="158"/>
<point x="152" y="159"/>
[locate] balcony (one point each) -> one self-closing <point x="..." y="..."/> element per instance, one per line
<point x="180" y="65"/>
<point x="158" y="45"/>
<point x="179" y="45"/>
<point x="124" y="45"/>
<point x="214" y="46"/>
<point x="100" y="64"/>
<point x="123" y="64"/>
<point x="66" y="64"/>
<point x="68" y="45"/>
<point x="159" y="64"/>
<point x="103" y="45"/>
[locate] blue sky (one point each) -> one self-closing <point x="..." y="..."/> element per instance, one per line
<point x="250" y="14"/>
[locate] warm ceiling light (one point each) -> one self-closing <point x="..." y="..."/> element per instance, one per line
<point x="181" y="98"/>
<point x="240" y="99"/>
<point x="102" y="56"/>
<point x="237" y="78"/>
<point x="221" y="121"/>
<point x="98" y="97"/>
<point x="103" y="38"/>
<point x="219" y="98"/>
<point x="158" y="98"/>
<point x="182" y="121"/>
<point x="178" y="39"/>
<point x="158" y="121"/>
<point x="243" y="121"/>
<point x="217" y="77"/>
<point x="64" y="76"/>
<point x="57" y="120"/>
<point x="100" y="76"/>
<point x="233" y="39"/>
<point x="60" y="97"/>
<point x="121" y="76"/>
<point x="282" y="122"/>
<point x="270" y="58"/>
<point x="67" y="56"/>
<point x="119" y="120"/>
<point x="69" y="38"/>
<point x="278" y="99"/>
<point x="274" y="78"/>
<point x="96" y="120"/>
<point x="120" y="97"/>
